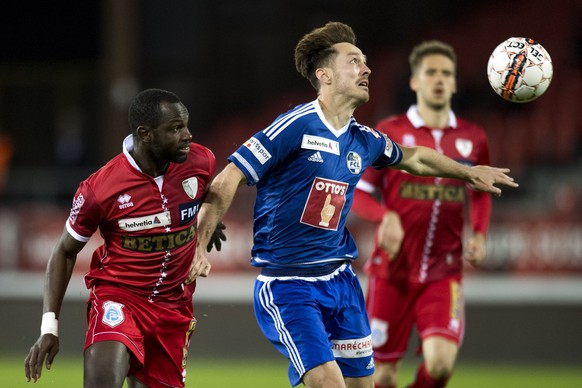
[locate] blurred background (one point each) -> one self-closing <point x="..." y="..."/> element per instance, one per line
<point x="69" y="69"/>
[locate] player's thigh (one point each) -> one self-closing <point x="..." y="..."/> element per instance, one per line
<point x="327" y="374"/>
<point x="106" y="361"/>
<point x="291" y="320"/>
<point x="360" y="382"/>
<point x="344" y="313"/>
<point x="440" y="310"/>
<point x="390" y="307"/>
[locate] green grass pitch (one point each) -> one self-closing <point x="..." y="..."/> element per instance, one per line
<point x="68" y="372"/>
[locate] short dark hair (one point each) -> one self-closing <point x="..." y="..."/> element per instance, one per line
<point x="315" y="49"/>
<point x="427" y="48"/>
<point x="145" y="107"/>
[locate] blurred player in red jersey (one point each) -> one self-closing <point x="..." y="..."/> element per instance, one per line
<point x="145" y="203"/>
<point x="415" y="271"/>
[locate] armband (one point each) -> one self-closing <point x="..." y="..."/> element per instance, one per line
<point x="49" y="325"/>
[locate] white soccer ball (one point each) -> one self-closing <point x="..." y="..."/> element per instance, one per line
<point x="520" y="70"/>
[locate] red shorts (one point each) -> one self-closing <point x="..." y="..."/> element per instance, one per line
<point x="436" y="308"/>
<point x="156" y="336"/>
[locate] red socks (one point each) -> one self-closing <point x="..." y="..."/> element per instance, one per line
<point x="424" y="380"/>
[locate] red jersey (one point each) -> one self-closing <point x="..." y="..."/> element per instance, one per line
<point x="148" y="224"/>
<point x="431" y="209"/>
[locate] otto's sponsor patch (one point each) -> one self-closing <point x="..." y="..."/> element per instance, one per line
<point x="325" y="203"/>
<point x="352" y="348"/>
<point x="113" y="313"/>
<point x="258" y="150"/>
<point x="145" y="222"/>
<point x="319" y="143"/>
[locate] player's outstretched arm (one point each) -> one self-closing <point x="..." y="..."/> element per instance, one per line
<point x="216" y="203"/>
<point x="58" y="273"/>
<point x="424" y="161"/>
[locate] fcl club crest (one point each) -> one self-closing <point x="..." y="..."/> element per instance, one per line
<point x="190" y="186"/>
<point x="354" y="162"/>
<point x="464" y="147"/>
<point x="113" y="315"/>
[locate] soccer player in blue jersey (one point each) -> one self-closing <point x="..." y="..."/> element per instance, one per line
<point x="305" y="166"/>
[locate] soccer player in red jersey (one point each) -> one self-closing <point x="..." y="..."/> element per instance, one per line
<point x="415" y="271"/>
<point x="145" y="203"/>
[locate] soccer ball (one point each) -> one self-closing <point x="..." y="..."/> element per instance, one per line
<point x="520" y="70"/>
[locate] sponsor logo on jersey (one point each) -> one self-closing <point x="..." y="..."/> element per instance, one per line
<point x="354" y="162"/>
<point x="113" y="313"/>
<point x="379" y="329"/>
<point x="318" y="143"/>
<point x="352" y="348"/>
<point x="190" y="186"/>
<point x="158" y="242"/>
<point x="464" y="146"/>
<point x="325" y="203"/>
<point x="124" y="201"/>
<point x="76" y="208"/>
<point x="316" y="157"/>
<point x="456" y="309"/>
<point x="258" y="150"/>
<point x="145" y="222"/>
<point x="188" y="211"/>
<point x="371" y="130"/>
<point x="432" y="192"/>
<point x="389" y="146"/>
<point x="408" y="140"/>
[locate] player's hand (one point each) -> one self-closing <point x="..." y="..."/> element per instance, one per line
<point x="217" y="237"/>
<point x="327" y="211"/>
<point x="390" y="234"/>
<point x="200" y="266"/>
<point x="485" y="178"/>
<point x="47" y="346"/>
<point x="474" y="250"/>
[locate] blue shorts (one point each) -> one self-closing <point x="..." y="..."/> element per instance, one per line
<point x="313" y="320"/>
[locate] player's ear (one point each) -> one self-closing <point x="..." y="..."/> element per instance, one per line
<point x="322" y="75"/>
<point x="413" y="83"/>
<point x="144" y="133"/>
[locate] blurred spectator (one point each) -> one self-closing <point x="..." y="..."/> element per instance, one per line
<point x="6" y="152"/>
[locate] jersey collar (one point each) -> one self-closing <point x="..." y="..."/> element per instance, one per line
<point x="417" y="121"/>
<point x="336" y="132"/>
<point x="127" y="148"/>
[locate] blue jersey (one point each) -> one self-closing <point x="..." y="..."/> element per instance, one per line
<point x="305" y="172"/>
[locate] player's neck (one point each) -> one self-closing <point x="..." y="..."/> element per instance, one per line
<point x="147" y="163"/>
<point x="337" y="113"/>
<point x="434" y="118"/>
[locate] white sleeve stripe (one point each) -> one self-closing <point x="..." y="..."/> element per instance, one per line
<point x="365" y="186"/>
<point x="76" y="235"/>
<point x="286" y="117"/>
<point x="246" y="165"/>
<point x="280" y="129"/>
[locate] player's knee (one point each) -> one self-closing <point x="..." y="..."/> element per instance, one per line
<point x="93" y="377"/>
<point x="386" y="375"/>
<point x="439" y="368"/>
